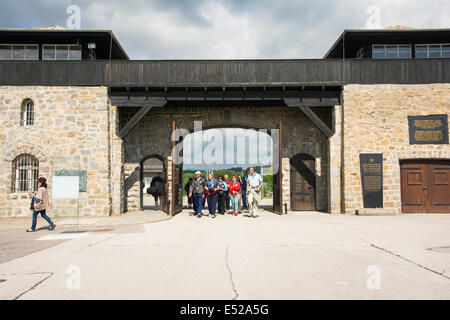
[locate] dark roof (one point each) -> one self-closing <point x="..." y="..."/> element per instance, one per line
<point x="103" y="39"/>
<point x="355" y="38"/>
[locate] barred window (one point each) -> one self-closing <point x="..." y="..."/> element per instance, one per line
<point x="25" y="173"/>
<point x="27" y="117"/>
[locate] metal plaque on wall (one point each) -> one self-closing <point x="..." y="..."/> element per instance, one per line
<point x="428" y="129"/>
<point x="372" y="179"/>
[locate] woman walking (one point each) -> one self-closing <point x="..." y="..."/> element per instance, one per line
<point x="235" y="187"/>
<point x="40" y="204"/>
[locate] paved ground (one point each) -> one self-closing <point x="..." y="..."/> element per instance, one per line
<point x="140" y="217"/>
<point x="295" y="256"/>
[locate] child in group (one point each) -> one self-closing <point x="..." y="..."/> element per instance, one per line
<point x="234" y="189"/>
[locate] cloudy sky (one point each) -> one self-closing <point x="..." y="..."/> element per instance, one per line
<point x="226" y="148"/>
<point x="227" y="29"/>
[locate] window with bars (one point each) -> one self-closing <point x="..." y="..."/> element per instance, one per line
<point x="25" y="173"/>
<point x="27" y="117"/>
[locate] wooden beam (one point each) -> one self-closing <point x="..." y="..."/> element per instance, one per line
<point x="296" y="103"/>
<point x="134" y="102"/>
<point x="307" y="98"/>
<point x="134" y="121"/>
<point x="241" y="94"/>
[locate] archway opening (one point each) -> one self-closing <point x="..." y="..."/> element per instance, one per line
<point x="230" y="151"/>
<point x="152" y="181"/>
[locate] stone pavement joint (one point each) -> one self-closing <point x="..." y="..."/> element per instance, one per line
<point x="104" y="240"/>
<point x="49" y="274"/>
<point x="406" y="259"/>
<point x="227" y="263"/>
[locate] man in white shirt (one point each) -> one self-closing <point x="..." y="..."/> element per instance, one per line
<point x="255" y="182"/>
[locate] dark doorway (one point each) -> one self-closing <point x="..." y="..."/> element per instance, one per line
<point x="303" y="183"/>
<point x="152" y="169"/>
<point x="425" y="186"/>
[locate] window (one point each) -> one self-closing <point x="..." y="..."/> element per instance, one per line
<point x="378" y="52"/>
<point x="391" y="52"/>
<point x="421" y="52"/>
<point x="404" y="52"/>
<point x="25" y="173"/>
<point x="19" y="52"/>
<point x="424" y="51"/>
<point x="74" y="52"/>
<point x="61" y="52"/>
<point x="27" y="115"/>
<point x="446" y="51"/>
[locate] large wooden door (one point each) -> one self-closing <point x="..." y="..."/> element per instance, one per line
<point x="303" y="183"/>
<point x="425" y="186"/>
<point x="278" y="175"/>
<point x="177" y="181"/>
<point x="166" y="201"/>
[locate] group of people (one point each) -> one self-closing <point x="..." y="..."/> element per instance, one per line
<point x="244" y="193"/>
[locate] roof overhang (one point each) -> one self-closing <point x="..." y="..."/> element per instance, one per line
<point x="41" y="34"/>
<point x="396" y="35"/>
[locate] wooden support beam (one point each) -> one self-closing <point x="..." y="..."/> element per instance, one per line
<point x="125" y="102"/>
<point x="296" y="103"/>
<point x="134" y="121"/>
<point x="241" y="94"/>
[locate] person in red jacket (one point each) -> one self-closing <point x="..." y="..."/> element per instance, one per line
<point x="234" y="187"/>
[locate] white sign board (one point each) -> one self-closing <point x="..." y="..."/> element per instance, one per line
<point x="65" y="187"/>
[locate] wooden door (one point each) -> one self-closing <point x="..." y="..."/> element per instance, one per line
<point x="439" y="187"/>
<point x="303" y="183"/>
<point x="414" y="183"/>
<point x="177" y="181"/>
<point x="425" y="186"/>
<point x="166" y="201"/>
<point x="278" y="176"/>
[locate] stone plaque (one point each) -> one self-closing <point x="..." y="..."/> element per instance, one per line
<point x="372" y="179"/>
<point x="428" y="129"/>
<point x="82" y="174"/>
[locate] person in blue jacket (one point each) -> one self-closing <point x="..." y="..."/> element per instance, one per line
<point x="244" y="182"/>
<point x="221" y="196"/>
<point x="212" y="187"/>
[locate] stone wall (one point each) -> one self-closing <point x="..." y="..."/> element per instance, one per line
<point x="70" y="133"/>
<point x="153" y="136"/>
<point x="375" y="121"/>
<point x="335" y="163"/>
<point x="286" y="185"/>
<point x="116" y="163"/>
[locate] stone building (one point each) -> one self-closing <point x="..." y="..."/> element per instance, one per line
<point x="363" y="130"/>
